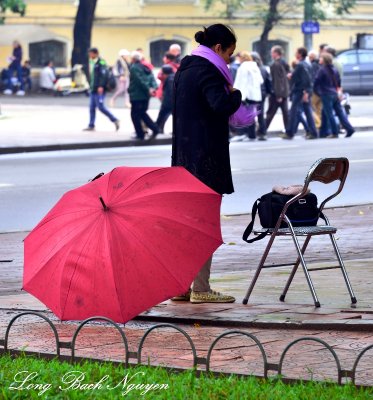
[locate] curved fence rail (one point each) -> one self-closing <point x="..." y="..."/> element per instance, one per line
<point x="199" y="363"/>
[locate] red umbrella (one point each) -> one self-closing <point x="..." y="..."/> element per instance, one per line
<point x="122" y="243"/>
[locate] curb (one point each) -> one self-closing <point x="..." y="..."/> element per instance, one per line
<point x="115" y="144"/>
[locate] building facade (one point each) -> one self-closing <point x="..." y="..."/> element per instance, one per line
<point x="46" y="31"/>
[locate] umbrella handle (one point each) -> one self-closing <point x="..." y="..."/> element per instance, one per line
<point x="103" y="204"/>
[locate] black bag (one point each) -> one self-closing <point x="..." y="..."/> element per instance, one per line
<point x="111" y="82"/>
<point x="303" y="212"/>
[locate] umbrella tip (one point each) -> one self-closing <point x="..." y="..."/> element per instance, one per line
<point x="103" y="204"/>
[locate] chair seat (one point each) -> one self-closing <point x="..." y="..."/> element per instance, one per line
<point x="301" y="230"/>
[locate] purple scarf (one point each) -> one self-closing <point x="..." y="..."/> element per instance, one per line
<point x="246" y="114"/>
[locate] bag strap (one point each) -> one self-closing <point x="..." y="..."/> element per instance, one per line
<point x="250" y="227"/>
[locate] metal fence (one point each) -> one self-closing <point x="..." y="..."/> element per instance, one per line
<point x="199" y="363"/>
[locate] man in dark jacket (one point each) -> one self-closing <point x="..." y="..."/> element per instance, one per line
<point x="142" y="87"/>
<point x="98" y="77"/>
<point x="301" y="92"/>
<point x="15" y="66"/>
<point x="166" y="106"/>
<point x="280" y="87"/>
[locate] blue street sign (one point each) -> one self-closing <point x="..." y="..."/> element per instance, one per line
<point x="310" y="27"/>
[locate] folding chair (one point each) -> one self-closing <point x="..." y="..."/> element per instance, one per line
<point x="326" y="170"/>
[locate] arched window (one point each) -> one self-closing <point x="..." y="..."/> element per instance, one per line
<point x="41" y="52"/>
<point x="159" y="47"/>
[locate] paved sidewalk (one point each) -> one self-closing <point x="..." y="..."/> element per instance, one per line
<point x="348" y="330"/>
<point x="59" y="127"/>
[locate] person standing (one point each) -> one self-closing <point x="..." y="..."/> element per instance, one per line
<point x="98" y="75"/>
<point x="248" y="81"/>
<point x="204" y="102"/>
<point x="15" y="66"/>
<point x="47" y="77"/>
<point x="122" y="78"/>
<point x="175" y="49"/>
<point x="280" y="86"/>
<point x="327" y="84"/>
<point x="142" y="87"/>
<point x="301" y="92"/>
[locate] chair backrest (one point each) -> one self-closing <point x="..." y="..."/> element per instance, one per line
<point x="328" y="170"/>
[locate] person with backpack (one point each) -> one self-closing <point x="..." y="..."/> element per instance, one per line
<point x="142" y="86"/>
<point x="98" y="79"/>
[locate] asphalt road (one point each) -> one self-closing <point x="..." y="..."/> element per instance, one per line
<point x="30" y="184"/>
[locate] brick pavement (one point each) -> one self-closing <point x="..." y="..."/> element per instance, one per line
<point x="348" y="330"/>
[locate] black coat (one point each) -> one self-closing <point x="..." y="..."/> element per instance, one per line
<point x="202" y="107"/>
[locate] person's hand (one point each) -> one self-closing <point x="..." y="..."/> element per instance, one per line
<point x="231" y="89"/>
<point x="100" y="90"/>
<point x="305" y="98"/>
<point x="279" y="99"/>
<point x="122" y="78"/>
<point x="152" y="92"/>
<point x="289" y="75"/>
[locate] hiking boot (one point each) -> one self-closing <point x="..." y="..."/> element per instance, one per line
<point x="89" y="128"/>
<point x="210" y="297"/>
<point x="183" y="297"/>
<point x="117" y="125"/>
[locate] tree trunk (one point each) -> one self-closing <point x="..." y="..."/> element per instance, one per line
<point x="271" y="19"/>
<point x="82" y="33"/>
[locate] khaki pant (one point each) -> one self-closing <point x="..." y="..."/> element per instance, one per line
<point x="317" y="109"/>
<point x="201" y="283"/>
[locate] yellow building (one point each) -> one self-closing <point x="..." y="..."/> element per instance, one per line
<point x="47" y="28"/>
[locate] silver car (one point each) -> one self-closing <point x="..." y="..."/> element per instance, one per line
<point x="357" y="70"/>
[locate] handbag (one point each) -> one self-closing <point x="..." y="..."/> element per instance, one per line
<point x="303" y="212"/>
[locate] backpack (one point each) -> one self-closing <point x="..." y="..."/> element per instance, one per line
<point x="303" y="212"/>
<point x="111" y="82"/>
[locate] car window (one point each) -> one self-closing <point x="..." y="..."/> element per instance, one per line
<point x="348" y="58"/>
<point x="366" y="57"/>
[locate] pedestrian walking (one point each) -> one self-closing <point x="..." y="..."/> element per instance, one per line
<point x="280" y="86"/>
<point x="327" y="83"/>
<point x="248" y="81"/>
<point x="175" y="49"/>
<point x="98" y="76"/>
<point x="204" y="102"/>
<point x="167" y="95"/>
<point x="142" y="87"/>
<point x="168" y="59"/>
<point x="266" y="89"/>
<point x="301" y="92"/>
<point x="15" y="66"/>
<point x="122" y="77"/>
<point x="316" y="104"/>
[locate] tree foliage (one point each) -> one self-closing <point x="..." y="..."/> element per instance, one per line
<point x="15" y="6"/>
<point x="271" y="12"/>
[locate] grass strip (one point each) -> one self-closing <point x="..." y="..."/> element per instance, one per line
<point x="27" y="377"/>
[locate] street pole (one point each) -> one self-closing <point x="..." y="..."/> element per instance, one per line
<point x="308" y="17"/>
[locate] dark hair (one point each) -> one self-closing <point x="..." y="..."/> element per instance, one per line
<point x="216" y="34"/>
<point x="278" y="49"/>
<point x="167" y="69"/>
<point x="170" y="56"/>
<point x="93" y="50"/>
<point x="322" y="46"/>
<point x="302" y="51"/>
<point x="331" y="50"/>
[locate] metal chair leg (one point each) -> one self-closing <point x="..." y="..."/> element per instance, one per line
<point x="303" y="262"/>
<point x="344" y="272"/>
<point x="260" y="266"/>
<point x="294" y="270"/>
